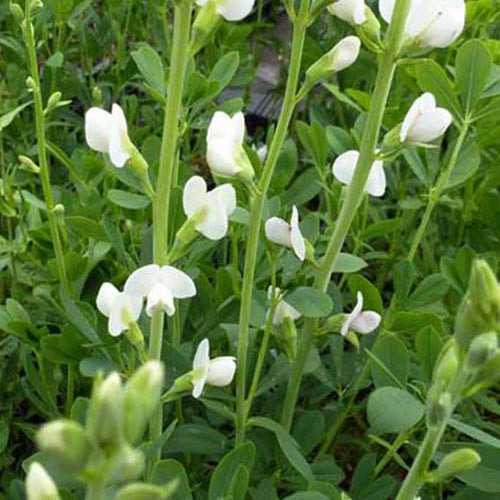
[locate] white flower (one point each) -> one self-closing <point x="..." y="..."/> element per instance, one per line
<point x="283" y="309"/>
<point x="225" y="153"/>
<point x="39" y="485"/>
<point x="231" y="10"/>
<point x="360" y="321"/>
<point x="120" y="307"/>
<point x="425" y="122"/>
<point x="435" y="23"/>
<point x="160" y="285"/>
<point x="345" y="53"/>
<point x="211" y="209"/>
<point x="280" y="232"/>
<point x="107" y="133"/>
<point x="218" y="372"/>
<point x="350" y="11"/>
<point x="345" y="165"/>
<point x="262" y="153"/>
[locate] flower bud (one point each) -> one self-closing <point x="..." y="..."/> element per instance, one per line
<point x="481" y="349"/>
<point x="35" y="7"/>
<point x="468" y="323"/>
<point x="455" y="463"/>
<point x="142" y="491"/>
<point x="53" y="102"/>
<point x="39" y="485"/>
<point x="206" y="22"/>
<point x="439" y="407"/>
<point x="485" y="291"/>
<point x="104" y="420"/>
<point x="66" y="442"/>
<point x="28" y="164"/>
<point x="97" y="97"/>
<point x="447" y="366"/>
<point x="288" y="337"/>
<point x="17" y="12"/>
<point x="125" y="465"/>
<point x="30" y="84"/>
<point x="141" y="396"/>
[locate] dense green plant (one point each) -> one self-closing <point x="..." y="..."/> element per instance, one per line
<point x="333" y="249"/>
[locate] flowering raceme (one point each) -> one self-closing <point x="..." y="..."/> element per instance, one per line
<point x="108" y="133"/>
<point x="288" y="235"/>
<point x="225" y="153"/>
<point x="218" y="372"/>
<point x="209" y="210"/>
<point x="345" y="166"/>
<point x="424" y="121"/>
<point x="433" y="23"/>
<point x="160" y="286"/>
<point x="360" y="321"/>
<point x="230" y="10"/>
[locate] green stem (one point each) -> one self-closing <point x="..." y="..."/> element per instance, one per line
<point x="354" y="195"/>
<point x="167" y="165"/>
<point x="95" y="491"/>
<point x="437" y="191"/>
<point x="256" y="211"/>
<point x="29" y="35"/>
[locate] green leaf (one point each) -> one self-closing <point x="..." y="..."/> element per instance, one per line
<point x="429" y="291"/>
<point x="307" y="495"/>
<point x="382" y="228"/>
<point x="286" y="165"/>
<point x="347" y="263"/>
<point x="428" y="345"/>
<point x="303" y="189"/>
<point x="288" y="446"/>
<point x="394" y="364"/>
<point x="467" y="164"/>
<point x="473" y="68"/>
<point x="221" y="482"/>
<point x="475" y="433"/>
<point x="4" y="435"/>
<point x="392" y="410"/>
<point x="198" y="439"/>
<point x="151" y="67"/>
<point x="167" y="471"/>
<point x="128" y="200"/>
<point x="372" y="301"/>
<point x="86" y="228"/>
<point x="56" y="60"/>
<point x="7" y="118"/>
<point x="310" y="302"/>
<point x="313" y="138"/>
<point x="225" y="69"/>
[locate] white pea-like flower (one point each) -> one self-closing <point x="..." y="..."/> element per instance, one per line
<point x="350" y="11"/>
<point x="433" y="23"/>
<point x="231" y="10"/>
<point x="283" y="309"/>
<point x="225" y="153"/>
<point x="359" y="321"/>
<point x="218" y="372"/>
<point x="288" y="235"/>
<point x="120" y="308"/>
<point x="160" y="286"/>
<point x="108" y="133"/>
<point x="209" y="209"/>
<point x="39" y="485"/>
<point x="424" y="121"/>
<point x="345" y="166"/>
<point x="345" y="53"/>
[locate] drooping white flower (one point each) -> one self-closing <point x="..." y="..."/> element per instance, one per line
<point x="360" y="321"/>
<point x="231" y="10"/>
<point x="345" y="165"/>
<point x="218" y="372"/>
<point x="283" y="309"/>
<point x="39" y="485"/>
<point x="350" y="11"/>
<point x="108" y="133"/>
<point x="120" y="308"/>
<point x="211" y="209"/>
<point x="424" y="121"/>
<point x="434" y="23"/>
<point x="160" y="286"/>
<point x="282" y="233"/>
<point x="225" y="153"/>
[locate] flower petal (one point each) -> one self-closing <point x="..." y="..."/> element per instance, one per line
<point x="346" y="326"/>
<point x="386" y="8"/>
<point x="284" y="310"/>
<point x="215" y="223"/>
<point x="180" y="284"/>
<point x="366" y="322"/>
<point x="351" y="11"/>
<point x="106" y="298"/>
<point x="345" y="166"/>
<point x="194" y="195"/>
<point x="221" y="371"/>
<point x="238" y="128"/>
<point x="278" y="231"/>
<point x="235" y="10"/>
<point x="425" y="103"/>
<point x="430" y="126"/>
<point x="221" y="157"/>
<point x="296" y="238"/>
<point x="142" y="280"/>
<point x="376" y="182"/>
<point x="227" y="195"/>
<point x="97" y="129"/>
<point x="198" y="386"/>
<point x="202" y="355"/>
<point x="119" y="143"/>
<point x="345" y="53"/>
<point x="160" y="296"/>
<point x="116" y="323"/>
<point x="221" y="127"/>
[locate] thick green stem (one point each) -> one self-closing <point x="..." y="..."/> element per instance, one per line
<point x="354" y="195"/>
<point x="256" y="211"/>
<point x="436" y="192"/>
<point x="166" y="174"/>
<point x="29" y="36"/>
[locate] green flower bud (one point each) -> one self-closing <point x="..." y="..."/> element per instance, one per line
<point x="28" y="164"/>
<point x="125" y="465"/>
<point x="205" y="24"/>
<point x="439" y="407"/>
<point x="97" y="97"/>
<point x="468" y="323"/>
<point x="486" y="376"/>
<point x="481" y="349"/>
<point x="288" y="337"/>
<point x="35" y="7"/>
<point x="485" y="291"/>
<point x="447" y="366"/>
<point x="30" y="84"/>
<point x="17" y="12"/>
<point x="392" y="141"/>
<point x="104" y="420"/>
<point x="455" y="463"/>
<point x="39" y="485"/>
<point x="53" y="102"/>
<point x="141" y="396"/>
<point x="141" y="491"/>
<point x="66" y="442"/>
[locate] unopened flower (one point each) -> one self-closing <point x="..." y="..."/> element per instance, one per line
<point x="425" y="122"/>
<point x="360" y="321"/>
<point x="230" y="10"/>
<point x="433" y="23"/>
<point x="225" y="153"/>
<point x="283" y="309"/>
<point x="120" y="308"/>
<point x="160" y="286"/>
<point x="218" y="372"/>
<point x="262" y="153"/>
<point x="345" y="166"/>
<point x="280" y="232"/>
<point x="108" y="133"/>
<point x="209" y="210"/>
<point x="350" y="11"/>
<point x="39" y="485"/>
